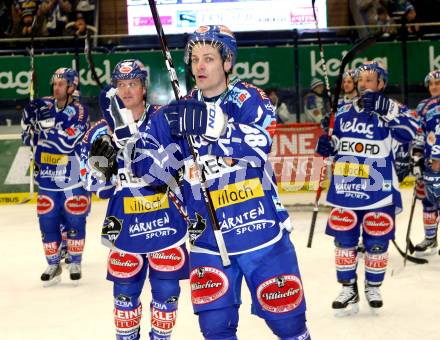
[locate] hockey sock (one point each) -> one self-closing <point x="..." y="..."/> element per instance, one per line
<point x="52" y="252"/>
<point x="375" y="267"/>
<point x="127" y="321"/>
<point x="346" y="263"/>
<point x="430" y="224"/>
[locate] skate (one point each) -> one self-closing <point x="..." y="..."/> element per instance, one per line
<point x="52" y="275"/>
<point x="75" y="271"/>
<point x="373" y="296"/>
<point x="427" y="247"/>
<point x="347" y="301"/>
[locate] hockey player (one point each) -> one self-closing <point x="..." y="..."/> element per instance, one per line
<point x="55" y="126"/>
<point x="364" y="188"/>
<point x="316" y="104"/>
<point x="226" y="119"/>
<point x="423" y="149"/>
<point x="349" y="88"/>
<point x="143" y="228"/>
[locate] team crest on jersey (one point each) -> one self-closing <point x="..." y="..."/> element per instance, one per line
<point x="377" y="223"/>
<point x="207" y="284"/>
<point x="430" y="139"/>
<point x="45" y="204"/>
<point x="77" y="205"/>
<point x="124" y="265"/>
<point x="342" y="219"/>
<point x="197" y="227"/>
<point x="112" y="228"/>
<point x="238" y="96"/>
<point x="280" y="294"/>
<point x="169" y="260"/>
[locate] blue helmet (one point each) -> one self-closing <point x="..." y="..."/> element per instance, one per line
<point x="349" y="73"/>
<point x="218" y="36"/>
<point x="431" y="75"/>
<point x="373" y="66"/>
<point x="66" y="73"/>
<point x="130" y="69"/>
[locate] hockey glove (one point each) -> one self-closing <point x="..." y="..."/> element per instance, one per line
<point x="117" y="116"/>
<point x="376" y="102"/>
<point x="325" y="123"/>
<point x="194" y="117"/>
<point x="104" y="154"/>
<point x="432" y="185"/>
<point x="325" y="146"/>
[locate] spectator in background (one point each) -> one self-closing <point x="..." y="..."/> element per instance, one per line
<point x="364" y="13"/>
<point x="57" y="13"/>
<point x="410" y="18"/>
<point x="282" y="112"/>
<point x="23" y="14"/>
<point x="384" y="22"/>
<point x="5" y="18"/>
<point x="316" y="103"/>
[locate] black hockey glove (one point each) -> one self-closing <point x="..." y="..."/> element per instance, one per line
<point x="377" y="102"/>
<point x="104" y="154"/>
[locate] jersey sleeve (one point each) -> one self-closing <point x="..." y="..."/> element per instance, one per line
<point x="247" y="136"/>
<point x="404" y="126"/>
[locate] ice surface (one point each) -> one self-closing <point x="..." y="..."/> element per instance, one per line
<point x="29" y="311"/>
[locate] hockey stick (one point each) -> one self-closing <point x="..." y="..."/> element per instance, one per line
<point x="321" y="54"/>
<point x="178" y="94"/>
<point x="356" y="50"/>
<point x="410" y="258"/>
<point x="408" y="229"/>
<point x="89" y="58"/>
<point x="32" y="87"/>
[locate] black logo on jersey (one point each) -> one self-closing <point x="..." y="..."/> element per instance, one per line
<point x="112" y="228"/>
<point x="196" y="228"/>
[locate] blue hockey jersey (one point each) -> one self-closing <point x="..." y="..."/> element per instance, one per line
<point x="239" y="177"/>
<point x="140" y="218"/>
<point x="364" y="176"/>
<point x="57" y="151"/>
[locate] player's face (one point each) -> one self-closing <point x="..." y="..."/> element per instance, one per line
<point x="434" y="87"/>
<point x="209" y="69"/>
<point x="132" y="94"/>
<point x="368" y="80"/>
<point x="60" y="89"/>
<point x="348" y="85"/>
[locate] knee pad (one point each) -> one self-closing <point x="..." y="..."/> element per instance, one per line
<point x="345" y="243"/>
<point x="50" y="229"/>
<point x="289" y="328"/>
<point x="376" y="246"/>
<point x="162" y="290"/>
<point x="219" y="323"/>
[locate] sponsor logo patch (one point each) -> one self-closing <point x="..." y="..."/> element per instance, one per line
<point x="126" y="320"/>
<point x="207" y="284"/>
<point x="430" y="218"/>
<point x="50" y="248"/>
<point x="45" y="204"/>
<point x="168" y="260"/>
<point x="112" y="228"/>
<point x="77" y="205"/>
<point x="137" y="205"/>
<point x="377" y="223"/>
<point x="280" y="294"/>
<point x="237" y="193"/>
<point x="352" y="170"/>
<point x="53" y="159"/>
<point x="342" y="220"/>
<point x="124" y="265"/>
